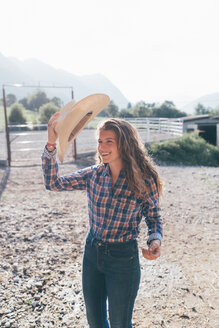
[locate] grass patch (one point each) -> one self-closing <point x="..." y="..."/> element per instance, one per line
<point x="187" y="150"/>
<point x="30" y="116"/>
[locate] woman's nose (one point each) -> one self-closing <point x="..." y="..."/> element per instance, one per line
<point x="102" y="147"/>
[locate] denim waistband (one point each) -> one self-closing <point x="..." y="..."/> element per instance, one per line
<point x="95" y="241"/>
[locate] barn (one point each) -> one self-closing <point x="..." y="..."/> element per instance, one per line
<point x="206" y="125"/>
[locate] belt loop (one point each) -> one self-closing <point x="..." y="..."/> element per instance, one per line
<point x="92" y="241"/>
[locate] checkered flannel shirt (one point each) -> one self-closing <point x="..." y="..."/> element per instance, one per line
<point x="114" y="212"/>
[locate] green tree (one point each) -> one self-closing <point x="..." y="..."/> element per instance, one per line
<point x="129" y="105"/>
<point x="167" y="109"/>
<point x="56" y="101"/>
<point x="37" y="99"/>
<point x="142" y="109"/>
<point x="17" y="114"/>
<point x="201" y="110"/>
<point x="24" y="102"/>
<point x="125" y="113"/>
<point x="46" y="111"/>
<point x="10" y="99"/>
<point x="111" y="110"/>
<point x="214" y="112"/>
<point x="103" y="113"/>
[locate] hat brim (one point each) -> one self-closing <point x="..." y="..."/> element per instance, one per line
<point x="75" y="116"/>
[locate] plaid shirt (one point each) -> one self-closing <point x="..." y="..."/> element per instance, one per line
<point x="114" y="211"/>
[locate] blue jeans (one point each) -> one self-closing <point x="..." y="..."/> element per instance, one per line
<point x="111" y="271"/>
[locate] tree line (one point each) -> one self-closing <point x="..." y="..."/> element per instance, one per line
<point x="202" y="110"/>
<point x="142" y="109"/>
<point x="38" y="102"/>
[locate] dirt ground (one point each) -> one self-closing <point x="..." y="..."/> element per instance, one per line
<point x="41" y="246"/>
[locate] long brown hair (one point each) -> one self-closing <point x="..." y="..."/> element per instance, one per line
<point x="137" y="164"/>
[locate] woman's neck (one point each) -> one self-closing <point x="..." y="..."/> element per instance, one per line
<point x="115" y="169"/>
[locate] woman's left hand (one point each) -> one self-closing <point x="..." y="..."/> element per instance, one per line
<point x="153" y="251"/>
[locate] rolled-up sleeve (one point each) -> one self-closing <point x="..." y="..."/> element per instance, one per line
<point x="54" y="182"/>
<point x="151" y="212"/>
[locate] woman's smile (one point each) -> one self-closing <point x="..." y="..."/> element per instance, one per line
<point x="105" y="154"/>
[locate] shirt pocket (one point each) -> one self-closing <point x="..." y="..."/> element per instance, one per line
<point x="127" y="204"/>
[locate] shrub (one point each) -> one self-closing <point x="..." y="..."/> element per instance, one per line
<point x="46" y="111"/>
<point x="17" y="114"/>
<point x="36" y="100"/>
<point x="190" y="149"/>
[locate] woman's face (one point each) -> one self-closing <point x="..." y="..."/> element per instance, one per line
<point x="107" y="147"/>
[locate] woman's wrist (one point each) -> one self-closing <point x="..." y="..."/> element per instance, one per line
<point x="155" y="241"/>
<point x="50" y="146"/>
<point x="51" y="143"/>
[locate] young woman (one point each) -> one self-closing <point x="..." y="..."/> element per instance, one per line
<point x="122" y="189"/>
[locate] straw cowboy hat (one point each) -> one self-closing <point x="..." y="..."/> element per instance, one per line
<point x="75" y="116"/>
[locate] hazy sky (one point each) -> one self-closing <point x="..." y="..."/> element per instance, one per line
<point x="151" y="50"/>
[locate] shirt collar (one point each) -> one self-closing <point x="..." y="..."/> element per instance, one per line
<point x="106" y="171"/>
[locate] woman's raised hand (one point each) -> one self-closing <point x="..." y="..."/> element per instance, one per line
<point x="52" y="135"/>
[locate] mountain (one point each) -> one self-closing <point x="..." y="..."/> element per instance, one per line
<point x="35" y="72"/>
<point x="211" y="101"/>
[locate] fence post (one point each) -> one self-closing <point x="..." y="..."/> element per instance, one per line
<point x="74" y="145"/>
<point x="148" y="130"/>
<point x="6" y="128"/>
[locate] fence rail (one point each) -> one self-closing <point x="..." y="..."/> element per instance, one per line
<point x="159" y="125"/>
<point x="150" y="123"/>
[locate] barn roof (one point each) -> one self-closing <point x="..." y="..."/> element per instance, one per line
<point x="201" y="119"/>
